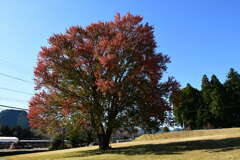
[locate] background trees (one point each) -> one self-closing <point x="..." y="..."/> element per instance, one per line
<point x="108" y="73"/>
<point x="186" y="111"/>
<point x="20" y="132"/>
<point x="216" y="105"/>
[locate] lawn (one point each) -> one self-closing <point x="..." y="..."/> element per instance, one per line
<point x="200" y="145"/>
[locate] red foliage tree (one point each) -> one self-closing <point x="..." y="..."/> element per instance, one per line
<point x="109" y="72"/>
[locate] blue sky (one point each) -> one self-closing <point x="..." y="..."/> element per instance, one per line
<point x="200" y="36"/>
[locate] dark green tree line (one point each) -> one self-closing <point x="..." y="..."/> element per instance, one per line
<point x="216" y="105"/>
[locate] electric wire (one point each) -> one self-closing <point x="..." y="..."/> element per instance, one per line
<point x="12" y="99"/>
<point x="15" y="78"/>
<point x="2" y="61"/>
<point x="12" y="107"/>
<point x="16" y="91"/>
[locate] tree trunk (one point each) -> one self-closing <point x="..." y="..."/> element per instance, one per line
<point x="89" y="137"/>
<point x="104" y="140"/>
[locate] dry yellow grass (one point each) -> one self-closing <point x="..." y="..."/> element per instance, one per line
<point x="184" y="134"/>
<point x="221" y="144"/>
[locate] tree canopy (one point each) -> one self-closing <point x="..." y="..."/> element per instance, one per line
<point x="108" y="73"/>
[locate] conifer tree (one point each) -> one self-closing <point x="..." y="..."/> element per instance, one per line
<point x="232" y="108"/>
<point x="186" y="111"/>
<point x="204" y="116"/>
<point x="218" y="105"/>
<point x="217" y="101"/>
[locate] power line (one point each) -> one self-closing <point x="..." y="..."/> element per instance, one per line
<point x="11" y="107"/>
<point x="16" y="78"/>
<point x="12" y="99"/>
<point x="16" y="91"/>
<point x="14" y="68"/>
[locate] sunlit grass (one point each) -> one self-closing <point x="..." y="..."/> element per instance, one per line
<point x="206" y="145"/>
<point x="184" y="134"/>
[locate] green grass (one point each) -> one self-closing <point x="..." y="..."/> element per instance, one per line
<point x="221" y="144"/>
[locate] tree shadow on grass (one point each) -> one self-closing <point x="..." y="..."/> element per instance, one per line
<point x="12" y="153"/>
<point x="221" y="145"/>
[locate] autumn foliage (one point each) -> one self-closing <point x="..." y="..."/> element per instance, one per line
<point x="107" y="72"/>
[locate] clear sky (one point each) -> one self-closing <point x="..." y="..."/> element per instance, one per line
<point x="200" y="36"/>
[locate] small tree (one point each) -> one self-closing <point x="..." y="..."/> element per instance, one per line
<point x="109" y="72"/>
<point x="165" y="129"/>
<point x="57" y="142"/>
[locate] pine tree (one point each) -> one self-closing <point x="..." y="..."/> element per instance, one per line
<point x="217" y="101"/>
<point x="186" y="111"/>
<point x="232" y="87"/>
<point x="204" y="116"/>
<point x="218" y="105"/>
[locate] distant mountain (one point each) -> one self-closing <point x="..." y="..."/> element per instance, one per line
<point x="13" y="118"/>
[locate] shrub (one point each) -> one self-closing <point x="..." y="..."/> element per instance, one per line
<point x="165" y="129"/>
<point x="57" y="143"/>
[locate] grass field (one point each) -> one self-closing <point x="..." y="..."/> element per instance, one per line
<point x="220" y="144"/>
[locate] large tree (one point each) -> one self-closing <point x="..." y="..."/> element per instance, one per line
<point x="108" y="72"/>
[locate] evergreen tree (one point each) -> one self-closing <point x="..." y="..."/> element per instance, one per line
<point x="217" y="101"/>
<point x="232" y="108"/>
<point x="205" y="83"/>
<point x="217" y="106"/>
<point x="204" y="116"/>
<point x="186" y="111"/>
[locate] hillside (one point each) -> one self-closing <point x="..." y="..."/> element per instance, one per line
<point x="221" y="144"/>
<point x="13" y="118"/>
<point x="184" y="134"/>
